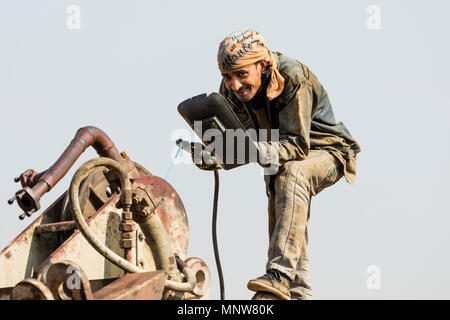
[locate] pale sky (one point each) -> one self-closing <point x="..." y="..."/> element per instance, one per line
<point x="132" y="62"/>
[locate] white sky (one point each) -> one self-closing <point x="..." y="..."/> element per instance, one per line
<point x="131" y="64"/>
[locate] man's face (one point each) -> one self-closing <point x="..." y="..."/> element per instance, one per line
<point x="244" y="82"/>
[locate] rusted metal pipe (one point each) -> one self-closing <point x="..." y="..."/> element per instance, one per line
<point x="35" y="185"/>
<point x="85" y="137"/>
<point x="158" y="240"/>
<point x="56" y="227"/>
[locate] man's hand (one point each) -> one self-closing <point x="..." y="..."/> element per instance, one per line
<point x="208" y="167"/>
<point x="201" y="158"/>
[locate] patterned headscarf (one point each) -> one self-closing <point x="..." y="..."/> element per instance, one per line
<point x="245" y="47"/>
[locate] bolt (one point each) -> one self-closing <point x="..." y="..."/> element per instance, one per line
<point x="126" y="227"/>
<point x="146" y="211"/>
<point x="126" y="243"/>
<point x="141" y="236"/>
<point x="127" y="215"/>
<point x="127" y="235"/>
<point x="10" y="201"/>
<point x="137" y="197"/>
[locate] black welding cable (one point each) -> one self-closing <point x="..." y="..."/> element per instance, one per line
<point x="214" y="234"/>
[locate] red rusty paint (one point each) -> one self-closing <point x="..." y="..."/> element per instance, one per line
<point x="170" y="209"/>
<point x="23" y="236"/>
<point x="199" y="266"/>
<point x="134" y="286"/>
<point x="128" y="254"/>
<point x="47" y="216"/>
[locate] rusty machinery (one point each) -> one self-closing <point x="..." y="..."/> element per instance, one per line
<point x="118" y="232"/>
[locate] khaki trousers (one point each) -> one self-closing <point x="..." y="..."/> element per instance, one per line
<point x="290" y="192"/>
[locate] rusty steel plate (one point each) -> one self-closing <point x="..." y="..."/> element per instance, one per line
<point x="134" y="286"/>
<point x="171" y="210"/>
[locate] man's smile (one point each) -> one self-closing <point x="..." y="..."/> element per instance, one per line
<point x="242" y="92"/>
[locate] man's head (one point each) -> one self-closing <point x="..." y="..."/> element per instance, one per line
<point x="245" y="82"/>
<point x="243" y="58"/>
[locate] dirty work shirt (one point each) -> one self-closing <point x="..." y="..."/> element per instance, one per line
<point x="303" y="115"/>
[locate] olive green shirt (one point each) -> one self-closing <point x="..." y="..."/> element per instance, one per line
<point x="303" y="115"/>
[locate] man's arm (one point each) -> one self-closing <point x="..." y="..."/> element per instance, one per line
<point x="294" y="124"/>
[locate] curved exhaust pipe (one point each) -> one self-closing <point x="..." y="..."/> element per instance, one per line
<point x="35" y="185"/>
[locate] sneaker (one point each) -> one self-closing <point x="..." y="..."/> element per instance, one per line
<point x="273" y="282"/>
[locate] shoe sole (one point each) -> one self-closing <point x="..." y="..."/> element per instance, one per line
<point x="258" y="286"/>
<point x="263" y="295"/>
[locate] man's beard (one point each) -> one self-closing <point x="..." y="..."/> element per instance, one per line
<point x="244" y="89"/>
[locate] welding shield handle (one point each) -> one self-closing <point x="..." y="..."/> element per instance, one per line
<point x="198" y="152"/>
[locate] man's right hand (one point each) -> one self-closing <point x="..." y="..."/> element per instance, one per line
<point x="208" y="167"/>
<point x="200" y="157"/>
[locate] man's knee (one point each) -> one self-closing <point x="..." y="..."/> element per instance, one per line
<point x="297" y="172"/>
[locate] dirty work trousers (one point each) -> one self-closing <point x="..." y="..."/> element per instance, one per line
<point x="290" y="192"/>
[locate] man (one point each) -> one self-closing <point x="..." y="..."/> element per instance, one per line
<point x="273" y="91"/>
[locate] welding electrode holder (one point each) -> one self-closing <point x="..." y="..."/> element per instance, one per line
<point x="198" y="151"/>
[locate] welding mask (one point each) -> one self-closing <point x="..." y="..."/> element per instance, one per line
<point x="214" y="121"/>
